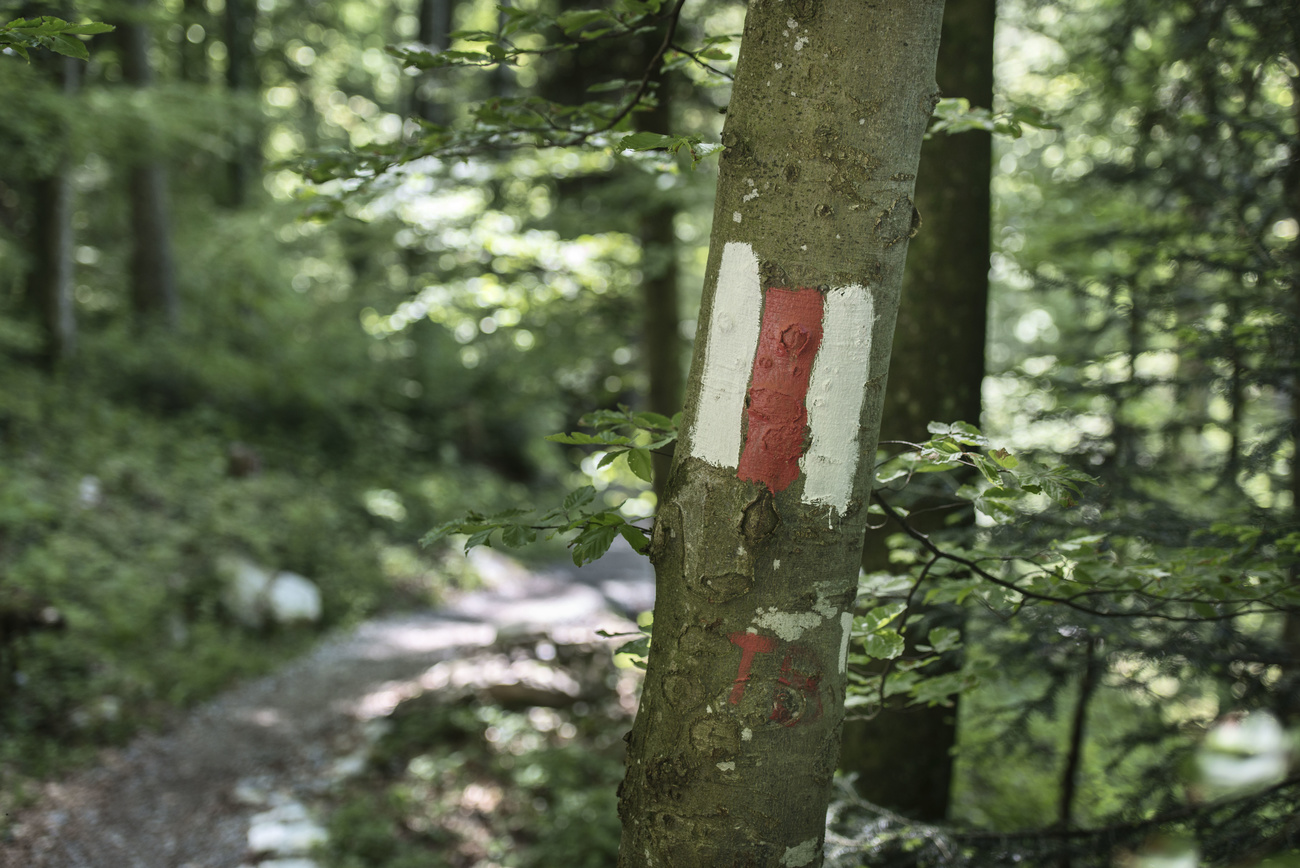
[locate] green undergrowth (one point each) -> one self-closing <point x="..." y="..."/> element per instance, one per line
<point x="470" y="784"/>
<point x="113" y="515"/>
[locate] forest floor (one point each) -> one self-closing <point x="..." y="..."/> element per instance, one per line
<point x="189" y="797"/>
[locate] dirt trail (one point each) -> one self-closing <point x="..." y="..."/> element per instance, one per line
<point x="177" y="800"/>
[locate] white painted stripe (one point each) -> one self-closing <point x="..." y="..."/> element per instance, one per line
<point x="835" y="393"/>
<point x="729" y="357"/>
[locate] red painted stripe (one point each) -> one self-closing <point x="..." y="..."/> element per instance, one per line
<point x="788" y="340"/>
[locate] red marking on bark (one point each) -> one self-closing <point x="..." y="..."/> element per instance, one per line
<point x="787" y="709"/>
<point x="749" y="644"/>
<point x="789" y="336"/>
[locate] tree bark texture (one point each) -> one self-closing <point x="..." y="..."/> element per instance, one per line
<point x="153" y="269"/>
<point x="903" y="757"/>
<point x="758" y="541"/>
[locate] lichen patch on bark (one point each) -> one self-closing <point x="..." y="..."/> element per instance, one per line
<point x="788" y="625"/>
<point x="801" y="854"/>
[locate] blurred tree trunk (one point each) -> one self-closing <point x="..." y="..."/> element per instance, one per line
<point x="49" y="275"/>
<point x="241" y="80"/>
<point x="435" y="22"/>
<point x="661" y="333"/>
<point x="194" y="52"/>
<point x="758" y="541"/>
<point x="904" y="755"/>
<point x="1290" y="698"/>
<point x="652" y="211"/>
<point x="153" y="270"/>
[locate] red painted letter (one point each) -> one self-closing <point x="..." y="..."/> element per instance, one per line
<point x="749" y="644"/>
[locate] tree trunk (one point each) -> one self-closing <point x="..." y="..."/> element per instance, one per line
<point x="903" y="757"/>
<point x="661" y="339"/>
<point x="194" y="53"/>
<point x="241" y="78"/>
<point x="1290" y="696"/>
<point x="435" y="19"/>
<point x="153" y="270"/>
<point x="49" y="275"/>
<point x="759" y="538"/>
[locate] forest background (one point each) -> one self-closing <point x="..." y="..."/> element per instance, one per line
<point x="221" y="335"/>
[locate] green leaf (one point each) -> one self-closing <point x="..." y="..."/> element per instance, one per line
<point x="881" y="642"/>
<point x="574" y="20"/>
<point x="69" y="46"/>
<point x="883" y="645"/>
<point x="592" y="542"/>
<point x="516" y="535"/>
<point x="638" y="461"/>
<point x="943" y="639"/>
<point x="638" y="647"/>
<point x="653" y="420"/>
<point x="600" y="438"/>
<point x="579" y="497"/>
<point x="90" y="28"/>
<point x="988" y="468"/>
<point x="440" y="532"/>
<point x="878" y="616"/>
<point x="480" y="538"/>
<point x="635" y="537"/>
<point x="938" y="689"/>
<point x="646" y="141"/>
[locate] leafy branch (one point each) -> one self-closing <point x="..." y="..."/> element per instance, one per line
<point x="1137" y="587"/>
<point x="596" y="528"/>
<point x="620" y="433"/>
<point x="511" y="123"/>
<point x="953" y="116"/>
<point x="24" y="35"/>
<point x="625" y="434"/>
<point x="1086" y="573"/>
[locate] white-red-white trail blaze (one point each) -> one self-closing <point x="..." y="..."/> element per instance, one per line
<point x="803" y="359"/>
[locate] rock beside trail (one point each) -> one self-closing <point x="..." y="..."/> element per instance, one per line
<point x="256" y="596"/>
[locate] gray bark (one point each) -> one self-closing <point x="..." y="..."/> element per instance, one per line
<point x="731" y="757"/>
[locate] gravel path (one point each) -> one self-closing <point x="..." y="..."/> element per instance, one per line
<point x="185" y="799"/>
